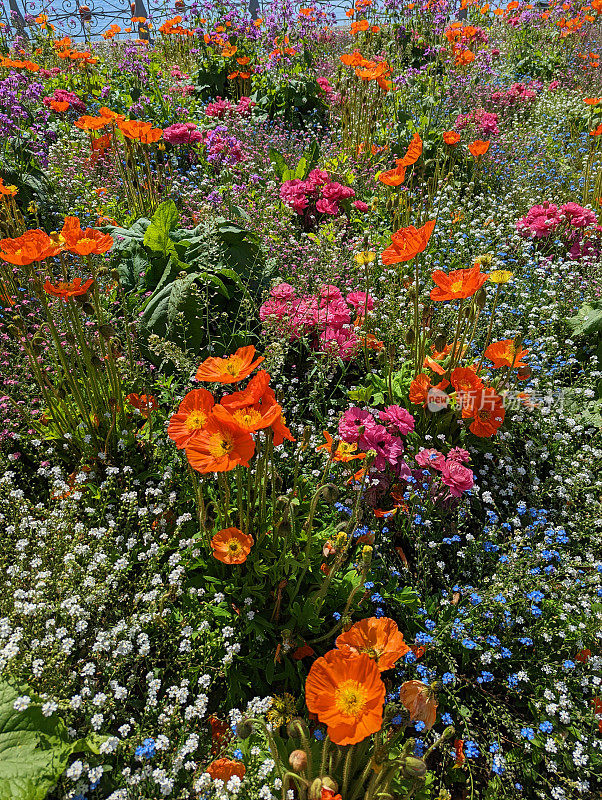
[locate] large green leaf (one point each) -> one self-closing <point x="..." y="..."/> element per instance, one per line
<point x="588" y="320"/>
<point x="34" y="749"/>
<point x="163" y="222"/>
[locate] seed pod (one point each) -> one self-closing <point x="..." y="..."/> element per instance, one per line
<point x="244" y="729"/>
<point x="518" y="342"/>
<point x="296" y="728"/>
<point x="440" y="342"/>
<point x="87" y="308"/>
<point x="413" y="767"/>
<point x="481" y="298"/>
<point x="524" y="373"/>
<point x="106" y="331"/>
<point x="330" y="493"/>
<point x="115" y="275"/>
<point x="96" y="361"/>
<point x="410" y="336"/>
<point x="315" y="790"/>
<point x="298" y="760"/>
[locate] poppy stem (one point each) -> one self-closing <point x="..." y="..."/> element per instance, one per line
<point x="490" y="328"/>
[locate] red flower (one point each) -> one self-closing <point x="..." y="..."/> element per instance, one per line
<point x="478" y="148"/>
<point x="64" y="290"/>
<point x="457" y="285"/>
<point x="407" y="243"/>
<point x="451" y="137"/>
<point x="143" y="402"/>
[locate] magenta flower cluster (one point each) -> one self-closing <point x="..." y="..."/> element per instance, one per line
<point x="484" y="122"/>
<point x="358" y="426"/>
<point x="325" y="319"/>
<point x="454" y="474"/>
<point x="318" y="190"/>
<point x="547" y="219"/>
<point x="517" y="94"/>
<point x="183" y="133"/>
<point x="222" y="108"/>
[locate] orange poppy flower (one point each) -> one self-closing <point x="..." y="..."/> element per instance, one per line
<point x="597" y="131"/>
<point x="464" y="58"/>
<point x="407" y="243"/>
<point x="451" y="137"/>
<point x="219" y="447"/>
<point x="133" y="128"/>
<point x="347" y="694"/>
<point x="34" y="245"/>
<point x="419" y="699"/>
<point x="592" y="101"/>
<point x="145" y="403"/>
<point x="85" y="243"/>
<point x="372" y="70"/>
<point x="243" y="61"/>
<point x="478" y="148"/>
<point x="232" y="369"/>
<point x="151" y="136"/>
<point x="487" y="411"/>
<point x="506" y="354"/>
<point x="59" y="105"/>
<point x="250" y="418"/>
<point x="105" y="112"/>
<point x="345" y="452"/>
<point x="224" y="768"/>
<point x="231" y="546"/>
<point x="229" y="51"/>
<point x="393" y="177"/>
<point x="421" y="387"/>
<point x="352" y="59"/>
<point x="279" y="429"/>
<point x="88" y="123"/>
<point x="460" y="757"/>
<point x="466" y="382"/>
<point x="247" y="397"/>
<point x="413" y="152"/>
<point x="191" y="417"/>
<point x="457" y="285"/>
<point x="64" y="290"/>
<point x="379" y="638"/>
<point x="430" y="363"/>
<point x="303" y="652"/>
<point x="8" y="191"/>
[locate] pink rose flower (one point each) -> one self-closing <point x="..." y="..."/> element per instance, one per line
<point x="430" y="458"/>
<point x="457" y="477"/>
<point x="397" y="420"/>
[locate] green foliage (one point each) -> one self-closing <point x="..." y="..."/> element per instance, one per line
<point x="293" y="98"/>
<point x="306" y="163"/>
<point x="193" y="276"/>
<point x="34" y="749"/>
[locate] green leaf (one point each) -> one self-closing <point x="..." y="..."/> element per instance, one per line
<point x="588" y="320"/>
<point x="34" y="749"/>
<point x="300" y="171"/>
<point x="162" y="223"/>
<point x="278" y="161"/>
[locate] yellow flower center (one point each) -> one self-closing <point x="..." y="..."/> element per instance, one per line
<point x="196" y="420"/>
<point x="233" y="365"/>
<point x="456" y="286"/>
<point x="372" y="652"/>
<point x="346" y="449"/>
<point x="220" y="445"/>
<point x="247" y="417"/>
<point x="234" y="547"/>
<point x="350" y="698"/>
